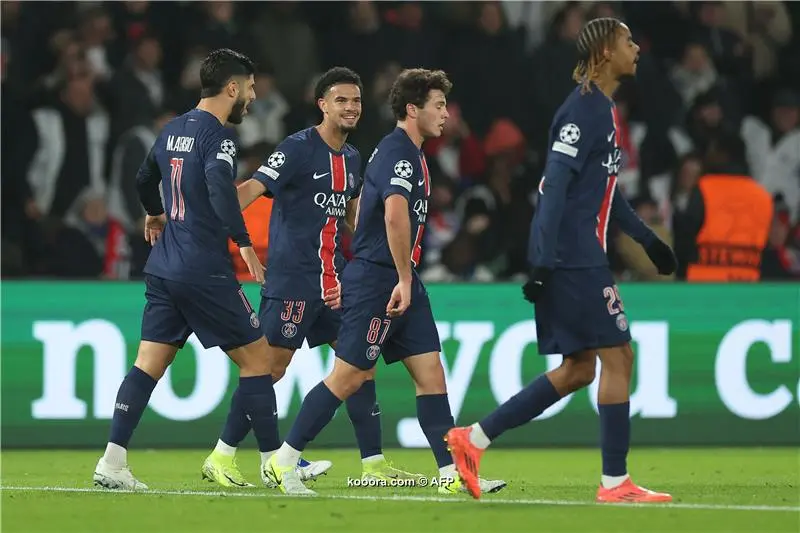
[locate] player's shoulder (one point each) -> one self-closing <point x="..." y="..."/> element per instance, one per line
<point x="299" y="141"/>
<point x="394" y="147"/>
<point x="585" y="105"/>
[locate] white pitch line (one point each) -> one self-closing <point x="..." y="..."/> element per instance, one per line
<point x="405" y="498"/>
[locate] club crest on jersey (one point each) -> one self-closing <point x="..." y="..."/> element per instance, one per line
<point x="254" y="320"/>
<point x="373" y="352"/>
<point x="276" y="159"/>
<point x="334" y="204"/>
<point x="569" y="134"/>
<point x="289" y="330"/>
<point x="622" y="322"/>
<point x="403" y="169"/>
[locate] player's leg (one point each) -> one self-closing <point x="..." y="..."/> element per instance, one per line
<point x="317" y="410"/>
<point x="355" y="358"/>
<point x="416" y="343"/>
<point x="164" y="330"/>
<point x="613" y="399"/>
<point x="467" y="444"/>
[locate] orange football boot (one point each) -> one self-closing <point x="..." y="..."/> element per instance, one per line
<point x="466" y="457"/>
<point x="629" y="492"/>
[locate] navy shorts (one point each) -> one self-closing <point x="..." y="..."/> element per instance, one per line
<point x="219" y="315"/>
<point x="580" y="309"/>
<point x="287" y="323"/>
<point x="367" y="332"/>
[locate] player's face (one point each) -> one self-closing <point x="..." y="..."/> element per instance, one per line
<point x="625" y="54"/>
<point x="432" y="116"/>
<point x="341" y="106"/>
<point x="245" y="94"/>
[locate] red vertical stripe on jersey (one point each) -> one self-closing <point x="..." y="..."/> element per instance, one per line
<point x="329" y="278"/>
<point x="605" y="211"/>
<point x="615" y="120"/>
<point x="416" y="250"/>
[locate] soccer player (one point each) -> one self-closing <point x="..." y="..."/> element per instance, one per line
<point x="385" y="307"/>
<point x="314" y="177"/>
<point x="189" y="277"/>
<point x="579" y="312"/>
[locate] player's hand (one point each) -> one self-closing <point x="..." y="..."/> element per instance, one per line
<point x="333" y="297"/>
<point x="662" y="257"/>
<point x="532" y="290"/>
<point x="253" y="264"/>
<point x="400" y="299"/>
<point x="153" y="227"/>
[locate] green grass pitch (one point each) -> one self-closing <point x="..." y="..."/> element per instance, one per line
<point x="548" y="491"/>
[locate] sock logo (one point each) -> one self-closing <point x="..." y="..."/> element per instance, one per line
<point x="121" y="406"/>
<point x="376" y="410"/>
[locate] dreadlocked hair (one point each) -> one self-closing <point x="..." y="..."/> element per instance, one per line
<point x="594" y="38"/>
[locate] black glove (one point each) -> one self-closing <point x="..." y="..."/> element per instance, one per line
<point x="532" y="290"/>
<point x="662" y="257"/>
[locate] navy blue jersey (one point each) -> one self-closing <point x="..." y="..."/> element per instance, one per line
<point x="578" y="193"/>
<point x="311" y="184"/>
<point x="194" y="158"/>
<point x="396" y="166"/>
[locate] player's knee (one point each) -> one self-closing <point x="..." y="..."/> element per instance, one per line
<point x="278" y="374"/>
<point x="428" y="374"/>
<point x="153" y="358"/>
<point x="581" y="371"/>
<point x="345" y="379"/>
<point x="280" y="362"/>
<point x="252" y="359"/>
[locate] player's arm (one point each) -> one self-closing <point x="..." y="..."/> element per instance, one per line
<point x="629" y="222"/>
<point x="276" y="171"/>
<point x="543" y="238"/>
<point x="147" y="179"/>
<point x="223" y="198"/>
<point x="350" y="215"/>
<point x="249" y="191"/>
<point x="398" y="234"/>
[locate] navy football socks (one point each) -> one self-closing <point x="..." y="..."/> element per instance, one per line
<point x="317" y="410"/>
<point x="132" y="398"/>
<point x="364" y="412"/>
<point x="237" y="426"/>
<point x="615" y="437"/>
<point x="258" y="402"/>
<point x="521" y="408"/>
<point x="435" y="419"/>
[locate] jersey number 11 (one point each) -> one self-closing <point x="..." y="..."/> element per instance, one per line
<point x="178" y="209"/>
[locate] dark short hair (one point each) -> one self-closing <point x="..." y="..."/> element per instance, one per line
<point x="413" y="86"/>
<point x="336" y="76"/>
<point x="219" y="67"/>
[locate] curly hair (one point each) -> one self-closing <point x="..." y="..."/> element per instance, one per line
<point x="594" y="38"/>
<point x="413" y="86"/>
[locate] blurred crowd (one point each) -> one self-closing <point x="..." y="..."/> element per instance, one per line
<point x="86" y="86"/>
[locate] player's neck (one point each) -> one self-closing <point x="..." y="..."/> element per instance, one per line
<point x="412" y="131"/>
<point x="332" y="136"/>
<point x="220" y="110"/>
<point x="607" y="84"/>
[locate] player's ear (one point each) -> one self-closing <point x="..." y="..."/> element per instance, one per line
<point x="411" y="111"/>
<point x="232" y="88"/>
<point x="322" y="105"/>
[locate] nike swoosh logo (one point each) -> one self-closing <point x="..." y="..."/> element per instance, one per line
<point x="610" y="136"/>
<point x="421" y="182"/>
<point x="318" y="176"/>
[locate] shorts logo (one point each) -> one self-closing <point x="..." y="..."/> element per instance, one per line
<point x="622" y="322"/>
<point x="289" y="330"/>
<point x="254" y="320"/>
<point x="373" y="352"/>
